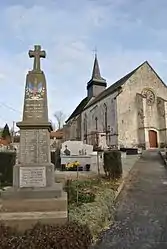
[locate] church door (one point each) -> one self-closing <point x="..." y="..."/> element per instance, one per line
<point x="153" y="139"/>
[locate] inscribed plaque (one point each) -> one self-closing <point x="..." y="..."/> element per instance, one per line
<point x="32" y="177"/>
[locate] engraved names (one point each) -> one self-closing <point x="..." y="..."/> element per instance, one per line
<point x="34" y="146"/>
<point x="28" y="146"/>
<point x="32" y="177"/>
<point x="34" y="109"/>
<point x="43" y="148"/>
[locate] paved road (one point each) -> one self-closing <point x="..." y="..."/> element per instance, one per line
<point x="141" y="217"/>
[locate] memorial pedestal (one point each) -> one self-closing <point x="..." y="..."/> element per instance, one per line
<point x="34" y="196"/>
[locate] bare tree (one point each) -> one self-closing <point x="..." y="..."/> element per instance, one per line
<point x="60" y="117"/>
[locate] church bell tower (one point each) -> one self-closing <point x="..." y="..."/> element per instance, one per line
<point x="97" y="84"/>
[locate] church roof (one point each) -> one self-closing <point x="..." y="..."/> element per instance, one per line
<point x="79" y="108"/>
<point x="113" y="87"/>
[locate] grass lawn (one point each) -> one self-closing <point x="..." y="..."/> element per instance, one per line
<point x="91" y="202"/>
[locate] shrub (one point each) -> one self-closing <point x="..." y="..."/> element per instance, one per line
<point x="113" y="164"/>
<point x="16" y="241"/>
<point x="67" y="236"/>
<point x="6" y="231"/>
<point x="85" y="195"/>
<point x="7" y="160"/>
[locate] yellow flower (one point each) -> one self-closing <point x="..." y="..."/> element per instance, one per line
<point x="76" y="163"/>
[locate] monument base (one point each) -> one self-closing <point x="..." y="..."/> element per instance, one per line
<point x="25" y="212"/>
<point x="34" y="205"/>
<point x="54" y="191"/>
<point x="23" y="221"/>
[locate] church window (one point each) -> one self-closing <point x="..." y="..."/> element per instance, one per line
<point x="105" y="117"/>
<point x="96" y="124"/>
<point x="149" y="95"/>
<point x="85" y="128"/>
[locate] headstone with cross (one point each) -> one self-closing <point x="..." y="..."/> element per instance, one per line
<point x="33" y="175"/>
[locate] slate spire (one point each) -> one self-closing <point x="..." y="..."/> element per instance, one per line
<point x="96" y="69"/>
<point x="97" y="84"/>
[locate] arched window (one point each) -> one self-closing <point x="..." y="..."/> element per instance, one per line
<point x="85" y="128"/>
<point x="105" y="118"/>
<point x="96" y="123"/>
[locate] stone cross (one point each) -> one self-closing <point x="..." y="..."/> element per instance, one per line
<point x="37" y="54"/>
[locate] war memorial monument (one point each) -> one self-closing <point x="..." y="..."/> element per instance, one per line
<point x="34" y="195"/>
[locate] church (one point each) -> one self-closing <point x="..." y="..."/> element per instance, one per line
<point x="130" y="113"/>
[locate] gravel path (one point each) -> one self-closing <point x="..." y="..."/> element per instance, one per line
<point x="141" y="216"/>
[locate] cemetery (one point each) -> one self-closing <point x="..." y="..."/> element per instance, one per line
<point x="41" y="205"/>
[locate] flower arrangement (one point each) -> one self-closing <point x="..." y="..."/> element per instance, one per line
<point x="72" y="166"/>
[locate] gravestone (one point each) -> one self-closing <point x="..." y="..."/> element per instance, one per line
<point x="77" y="148"/>
<point x="33" y="175"/>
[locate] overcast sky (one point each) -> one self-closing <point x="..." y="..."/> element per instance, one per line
<point x="125" y="32"/>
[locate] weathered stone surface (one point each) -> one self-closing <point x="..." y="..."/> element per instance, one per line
<point x="34" y="205"/>
<point x="144" y="78"/>
<point x="25" y="220"/>
<point x="54" y="191"/>
<point x="34" y="146"/>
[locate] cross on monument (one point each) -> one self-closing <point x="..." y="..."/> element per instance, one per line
<point x="37" y="53"/>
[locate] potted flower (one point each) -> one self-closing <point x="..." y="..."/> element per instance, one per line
<point x="76" y="164"/>
<point x="72" y="166"/>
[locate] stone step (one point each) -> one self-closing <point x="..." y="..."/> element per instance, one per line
<point x="54" y="191"/>
<point x="25" y="220"/>
<point x="34" y="205"/>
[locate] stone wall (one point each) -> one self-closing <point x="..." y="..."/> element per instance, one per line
<point x="97" y="112"/>
<point x="73" y="129"/>
<point x="128" y="109"/>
